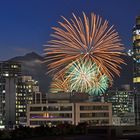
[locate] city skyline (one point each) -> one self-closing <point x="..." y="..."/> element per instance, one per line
<point x="26" y="25"/>
<point x="64" y="64"/>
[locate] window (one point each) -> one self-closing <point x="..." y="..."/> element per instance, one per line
<point x="94" y="107"/>
<point x="35" y="108"/>
<point x="66" y="108"/>
<point x="90" y="115"/>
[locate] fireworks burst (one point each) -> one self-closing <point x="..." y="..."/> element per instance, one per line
<point x="100" y="86"/>
<point x="60" y="85"/>
<point x="85" y="76"/>
<point x="91" y="39"/>
<point x="82" y="76"/>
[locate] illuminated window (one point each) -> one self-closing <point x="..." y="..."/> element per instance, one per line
<point x="6" y="74"/>
<point x="136" y="80"/>
<point x="14" y="66"/>
<point x="137" y="37"/>
<point x="3" y="91"/>
<point x="3" y="101"/>
<point x="137" y="44"/>
<point x="20" y="110"/>
<point x="136" y="32"/>
<point x="138" y="61"/>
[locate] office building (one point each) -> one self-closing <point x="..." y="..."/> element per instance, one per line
<point x="136" y="52"/>
<point x="136" y="68"/>
<point x="9" y="75"/>
<point x="25" y="90"/>
<point x="67" y="108"/>
<point x="16" y="91"/>
<point x="122" y="106"/>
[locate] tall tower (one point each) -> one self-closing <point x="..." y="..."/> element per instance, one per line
<point x="136" y="50"/>
<point x="136" y="68"/>
<point x="9" y="74"/>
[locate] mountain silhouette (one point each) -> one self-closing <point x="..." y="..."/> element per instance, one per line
<point x="28" y="56"/>
<point x="32" y="64"/>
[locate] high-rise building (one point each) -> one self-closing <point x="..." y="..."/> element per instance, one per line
<point x="25" y="90"/>
<point x="16" y="91"/>
<point x="136" y="68"/>
<point x="122" y="106"/>
<point x="136" y="51"/>
<point x="9" y="74"/>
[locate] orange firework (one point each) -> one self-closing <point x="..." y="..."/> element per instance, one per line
<point x="60" y="84"/>
<point x="87" y="38"/>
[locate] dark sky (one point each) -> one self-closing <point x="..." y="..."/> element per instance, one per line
<point x="25" y="25"/>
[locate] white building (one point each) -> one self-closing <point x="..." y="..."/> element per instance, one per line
<point x="56" y="111"/>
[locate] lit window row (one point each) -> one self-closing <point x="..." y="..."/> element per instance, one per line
<point x="136" y="80"/>
<point x="136" y="32"/>
<point x="14" y="66"/>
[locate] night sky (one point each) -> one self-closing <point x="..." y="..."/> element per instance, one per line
<point x="25" y="25"/>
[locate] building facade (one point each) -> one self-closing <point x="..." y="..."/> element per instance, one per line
<point x="136" y="53"/>
<point x="25" y="90"/>
<point x="136" y="68"/>
<point x="9" y="75"/>
<point x="122" y="106"/>
<point x="58" y="110"/>
<point x="16" y="91"/>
